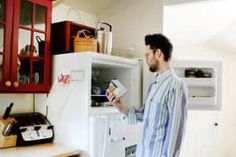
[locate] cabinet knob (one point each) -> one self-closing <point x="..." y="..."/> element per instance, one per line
<point x="16" y="84"/>
<point x="8" y="83"/>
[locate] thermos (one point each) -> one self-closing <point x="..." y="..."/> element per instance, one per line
<point x="104" y="38"/>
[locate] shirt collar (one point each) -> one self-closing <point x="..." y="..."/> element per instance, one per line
<point x="164" y="75"/>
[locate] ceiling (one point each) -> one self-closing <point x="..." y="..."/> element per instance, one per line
<point x="176" y="2"/>
<point x="96" y="6"/>
<point x="92" y="6"/>
<point x="210" y="24"/>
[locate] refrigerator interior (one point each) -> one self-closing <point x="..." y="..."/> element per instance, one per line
<point x="102" y="76"/>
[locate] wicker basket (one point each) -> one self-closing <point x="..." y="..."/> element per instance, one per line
<point x="86" y="43"/>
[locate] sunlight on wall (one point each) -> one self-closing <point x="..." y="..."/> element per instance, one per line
<point x="205" y="30"/>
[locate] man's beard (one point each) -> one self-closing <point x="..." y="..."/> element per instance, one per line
<point x="154" y="66"/>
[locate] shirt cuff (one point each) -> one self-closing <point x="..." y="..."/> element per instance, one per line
<point x="132" y="116"/>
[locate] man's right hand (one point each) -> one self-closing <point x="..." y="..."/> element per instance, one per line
<point x="115" y="101"/>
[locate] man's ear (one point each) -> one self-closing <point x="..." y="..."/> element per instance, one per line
<point x="158" y="53"/>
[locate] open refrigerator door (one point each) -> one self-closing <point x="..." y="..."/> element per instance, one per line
<point x="110" y="135"/>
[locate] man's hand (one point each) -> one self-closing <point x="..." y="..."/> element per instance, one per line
<point x="115" y="101"/>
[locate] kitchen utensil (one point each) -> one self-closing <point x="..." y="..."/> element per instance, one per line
<point x="1" y="60"/>
<point x="41" y="45"/>
<point x="104" y="38"/>
<point x="7" y="131"/>
<point x="7" y="111"/>
<point x="36" y="78"/>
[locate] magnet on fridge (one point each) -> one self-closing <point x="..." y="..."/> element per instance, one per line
<point x="63" y="79"/>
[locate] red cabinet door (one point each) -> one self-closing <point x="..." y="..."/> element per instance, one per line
<point x="5" y="46"/>
<point x="29" y="68"/>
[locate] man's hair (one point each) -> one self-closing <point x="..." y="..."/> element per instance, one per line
<point x="159" y="41"/>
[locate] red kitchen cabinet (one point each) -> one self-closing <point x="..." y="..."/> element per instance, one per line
<point x="25" y="28"/>
<point x="63" y="34"/>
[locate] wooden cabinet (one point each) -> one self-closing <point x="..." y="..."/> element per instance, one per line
<point x="63" y="34"/>
<point x="25" y="27"/>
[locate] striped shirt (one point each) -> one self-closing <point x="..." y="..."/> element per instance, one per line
<point x="163" y="116"/>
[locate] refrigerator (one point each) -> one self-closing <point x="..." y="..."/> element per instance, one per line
<point x="79" y="110"/>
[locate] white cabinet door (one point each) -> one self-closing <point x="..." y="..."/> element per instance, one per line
<point x="201" y="137"/>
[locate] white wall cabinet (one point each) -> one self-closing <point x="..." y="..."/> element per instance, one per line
<point x="204" y="81"/>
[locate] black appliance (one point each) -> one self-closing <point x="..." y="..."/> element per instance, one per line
<point x="32" y="128"/>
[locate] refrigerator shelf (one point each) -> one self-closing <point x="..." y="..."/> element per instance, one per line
<point x="102" y="110"/>
<point x="98" y="95"/>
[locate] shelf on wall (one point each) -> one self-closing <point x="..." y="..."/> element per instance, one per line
<point x="200" y="82"/>
<point x="202" y="100"/>
<point x="204" y="93"/>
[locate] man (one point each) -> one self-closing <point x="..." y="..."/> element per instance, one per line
<point x="165" y="109"/>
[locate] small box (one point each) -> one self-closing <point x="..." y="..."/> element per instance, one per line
<point x="63" y="34"/>
<point x="117" y="88"/>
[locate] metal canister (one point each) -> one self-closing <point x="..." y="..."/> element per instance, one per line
<point x="104" y="38"/>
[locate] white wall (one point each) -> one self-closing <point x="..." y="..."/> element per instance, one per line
<point x="62" y="12"/>
<point x="131" y="21"/>
<point x="206" y="30"/>
<point x="22" y="102"/>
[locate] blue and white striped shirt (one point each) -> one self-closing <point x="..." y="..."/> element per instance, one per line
<point x="163" y="115"/>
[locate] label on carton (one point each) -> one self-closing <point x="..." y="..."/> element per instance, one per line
<point x="117" y="88"/>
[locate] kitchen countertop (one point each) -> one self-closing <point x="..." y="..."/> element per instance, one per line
<point x="41" y="150"/>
